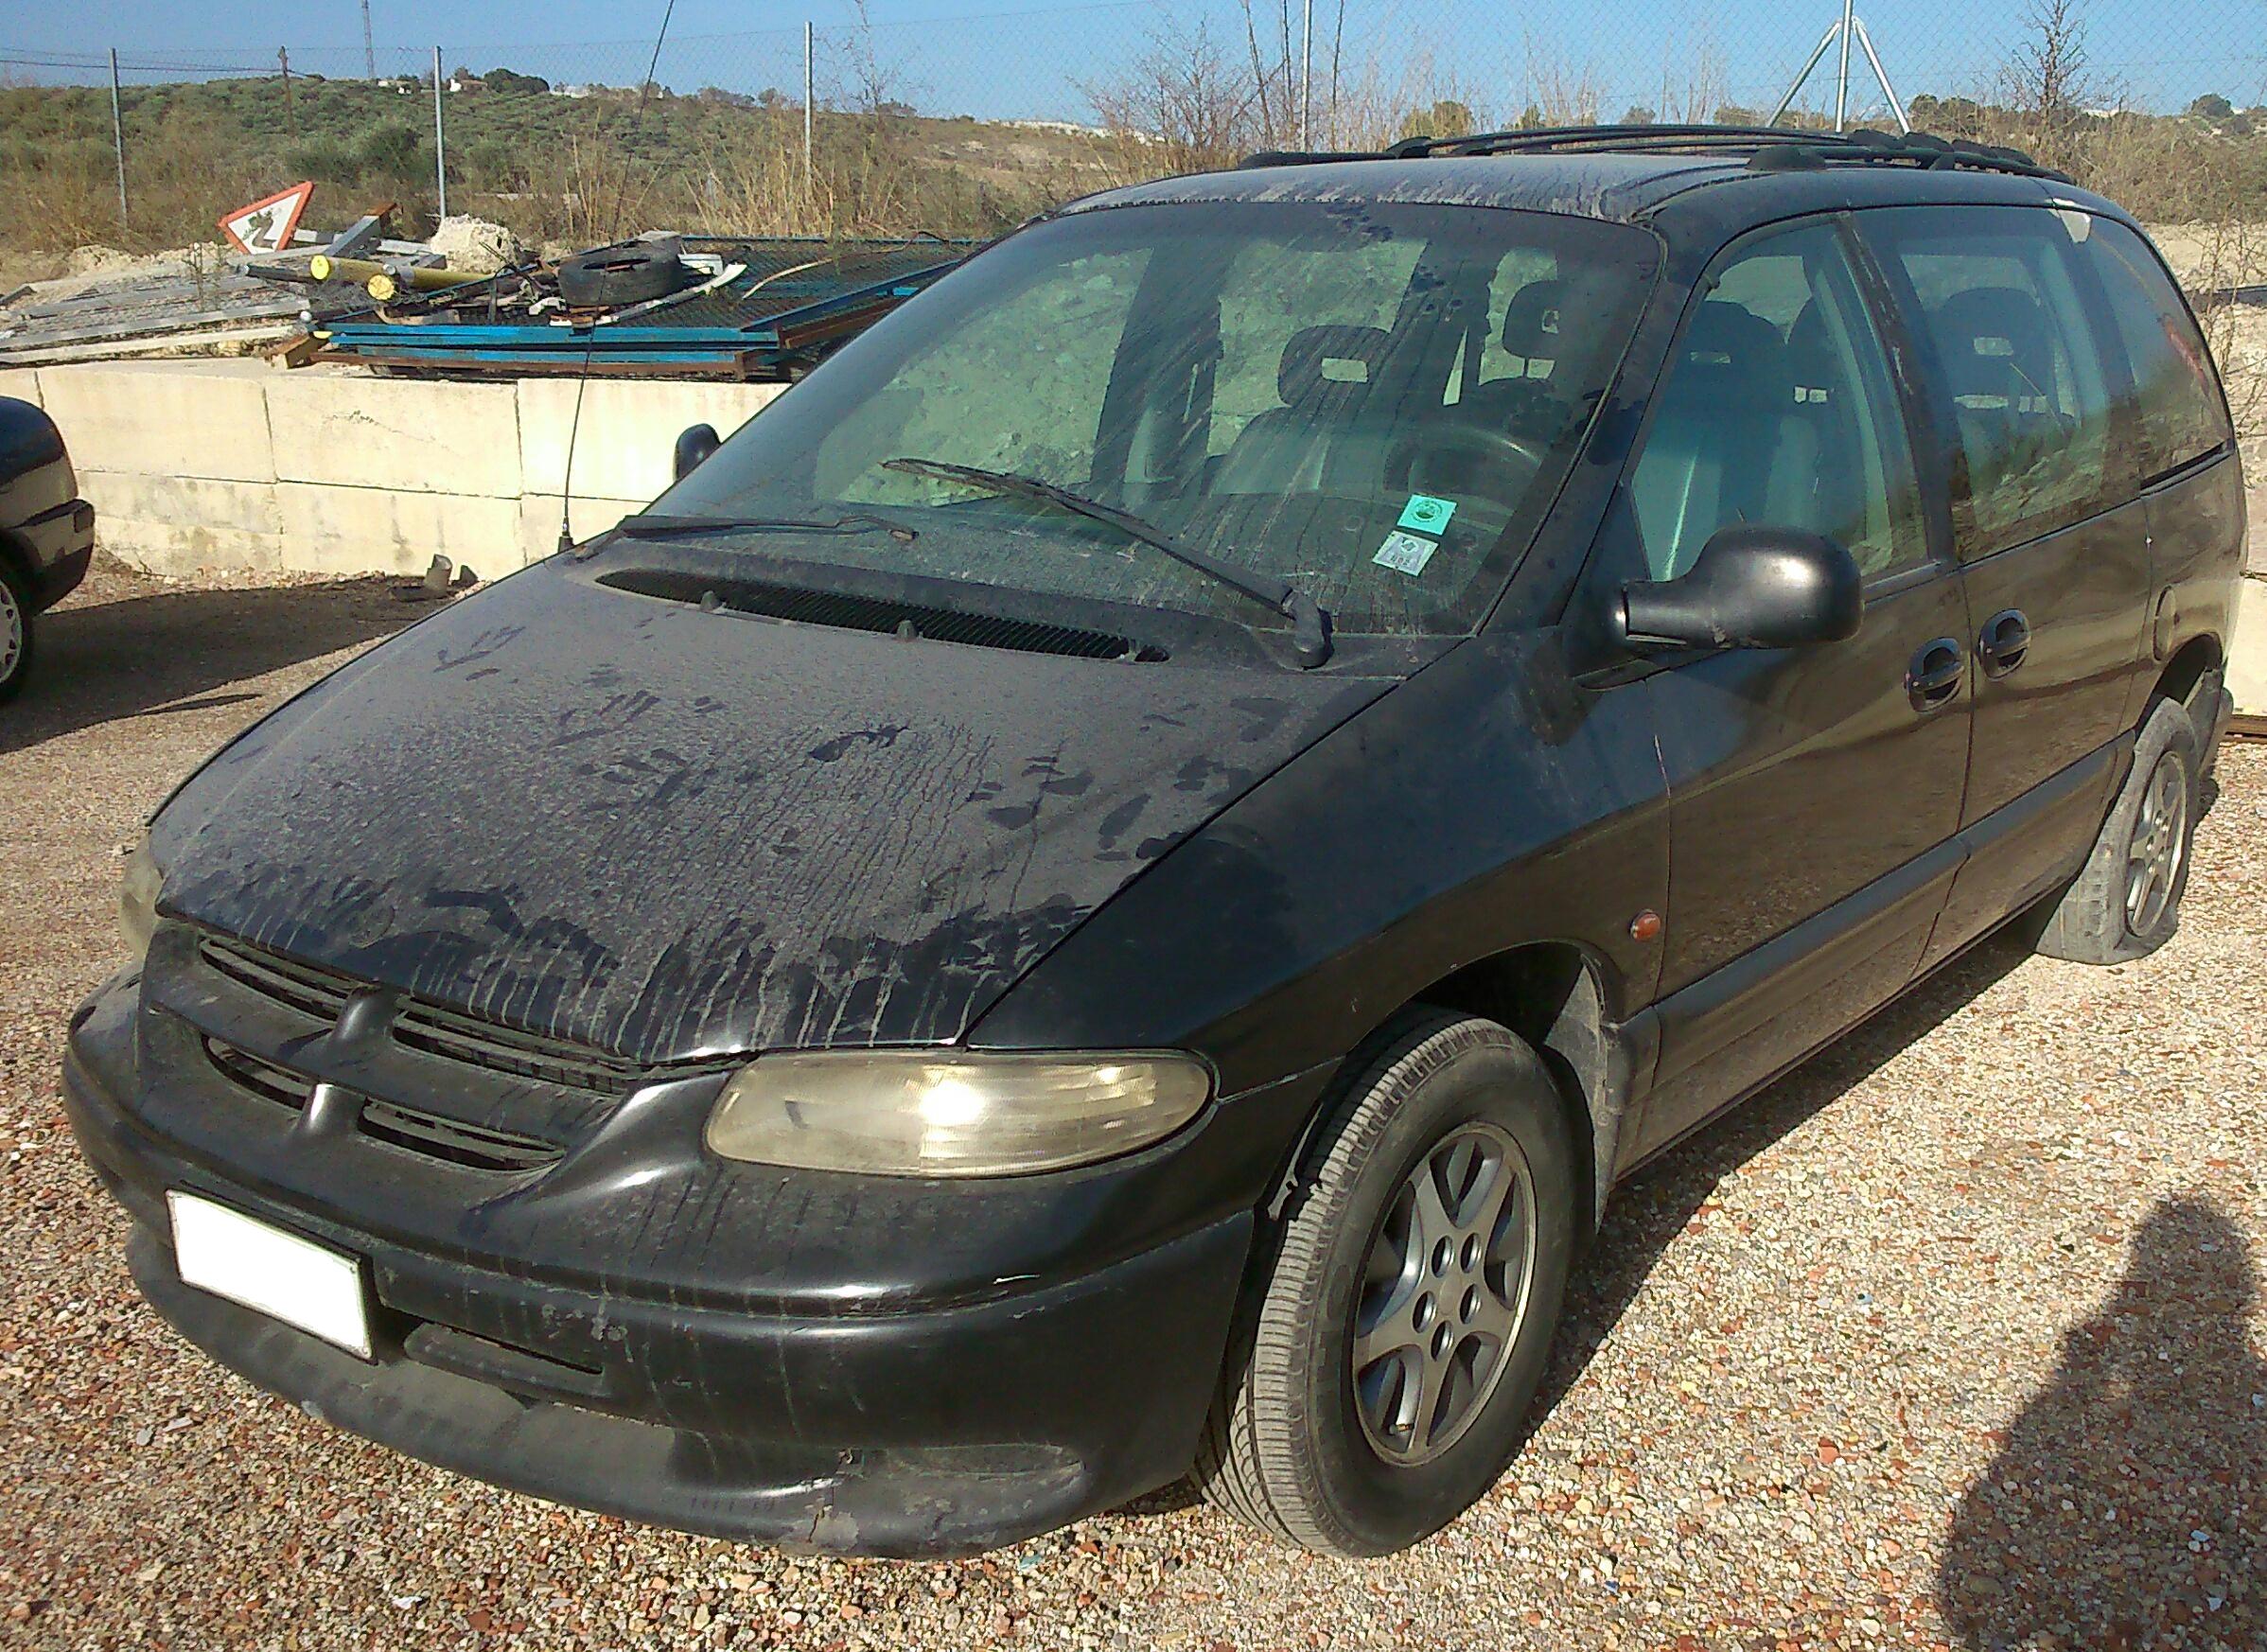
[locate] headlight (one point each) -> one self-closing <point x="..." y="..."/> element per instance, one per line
<point x="137" y="900"/>
<point x="950" y="1113"/>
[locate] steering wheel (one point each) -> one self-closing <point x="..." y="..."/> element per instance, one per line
<point x="1449" y="458"/>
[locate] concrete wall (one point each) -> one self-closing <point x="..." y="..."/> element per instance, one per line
<point x="235" y="463"/>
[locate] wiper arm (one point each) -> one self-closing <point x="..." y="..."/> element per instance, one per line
<point x="1311" y="623"/>
<point x="647" y="525"/>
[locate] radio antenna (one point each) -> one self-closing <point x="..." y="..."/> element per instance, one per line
<point x="574" y="426"/>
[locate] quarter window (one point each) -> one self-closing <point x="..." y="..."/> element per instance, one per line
<point x="2178" y="415"/>
<point x="1999" y="301"/>
<point x="1776" y="410"/>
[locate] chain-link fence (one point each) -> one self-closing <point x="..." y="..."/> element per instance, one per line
<point x="969" y="124"/>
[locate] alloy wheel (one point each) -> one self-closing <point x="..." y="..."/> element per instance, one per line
<point x="2160" y="841"/>
<point x="1444" y="1293"/>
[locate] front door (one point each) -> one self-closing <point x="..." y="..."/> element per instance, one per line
<point x="1815" y="792"/>
<point x="2053" y="539"/>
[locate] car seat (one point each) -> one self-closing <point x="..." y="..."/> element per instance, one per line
<point x="1320" y="434"/>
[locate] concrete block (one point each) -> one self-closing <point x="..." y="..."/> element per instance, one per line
<point x="2247" y="657"/>
<point x="163" y="418"/>
<point x="236" y="507"/>
<point x="365" y="529"/>
<point x="539" y="520"/>
<point x="629" y="429"/>
<point x="21" y="382"/>
<point x="407" y="435"/>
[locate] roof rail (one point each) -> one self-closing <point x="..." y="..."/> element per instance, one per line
<point x="1912" y="149"/>
<point x="1768" y="148"/>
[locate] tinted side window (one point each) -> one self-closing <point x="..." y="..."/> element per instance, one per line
<point x="2178" y="415"/>
<point x="2000" y="303"/>
<point x="1777" y="409"/>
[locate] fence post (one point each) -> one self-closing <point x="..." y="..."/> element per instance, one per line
<point x="118" y="133"/>
<point x="440" y="140"/>
<point x="810" y="81"/>
<point x="1842" y="82"/>
<point x="1307" y="76"/>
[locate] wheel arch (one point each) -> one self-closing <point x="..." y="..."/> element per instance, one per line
<point x="1554" y="997"/>
<point x="2191" y="666"/>
<point x="16" y="554"/>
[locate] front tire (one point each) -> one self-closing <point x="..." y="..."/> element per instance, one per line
<point x="2126" y="903"/>
<point x="15" y="632"/>
<point x="1381" y="1381"/>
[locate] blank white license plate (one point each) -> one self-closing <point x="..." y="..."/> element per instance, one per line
<point x="296" y="1280"/>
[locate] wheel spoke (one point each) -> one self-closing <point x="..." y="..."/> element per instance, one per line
<point x="1485" y="1207"/>
<point x="1432" y="1381"/>
<point x="1390" y="1334"/>
<point x="1430" y="1221"/>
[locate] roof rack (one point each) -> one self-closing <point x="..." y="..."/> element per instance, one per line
<point x="1768" y="148"/>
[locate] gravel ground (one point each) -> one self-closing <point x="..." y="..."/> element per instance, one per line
<point x="1949" y="1339"/>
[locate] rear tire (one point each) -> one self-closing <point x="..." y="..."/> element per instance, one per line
<point x="15" y="632"/>
<point x="1343" y="1426"/>
<point x="2126" y="903"/>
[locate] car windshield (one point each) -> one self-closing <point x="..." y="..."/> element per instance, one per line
<point x="1374" y="402"/>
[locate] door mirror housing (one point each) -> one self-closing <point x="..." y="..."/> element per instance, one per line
<point x="693" y="445"/>
<point x="1751" y="588"/>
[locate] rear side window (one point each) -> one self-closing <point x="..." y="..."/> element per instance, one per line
<point x="1776" y="410"/>
<point x="2001" y="306"/>
<point x="2178" y="415"/>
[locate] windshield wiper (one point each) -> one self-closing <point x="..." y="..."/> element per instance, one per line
<point x="1311" y="623"/>
<point x="649" y="525"/>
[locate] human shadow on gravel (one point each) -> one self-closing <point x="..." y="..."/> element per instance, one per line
<point x="178" y="649"/>
<point x="2128" y="1506"/>
<point x="1647" y="1212"/>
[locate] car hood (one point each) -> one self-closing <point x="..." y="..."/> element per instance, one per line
<point x="672" y="832"/>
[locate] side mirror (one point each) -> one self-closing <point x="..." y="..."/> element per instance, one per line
<point x="694" y="444"/>
<point x="1752" y="587"/>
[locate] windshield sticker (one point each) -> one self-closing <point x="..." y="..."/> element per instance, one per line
<point x="1405" y="552"/>
<point x="1424" y="513"/>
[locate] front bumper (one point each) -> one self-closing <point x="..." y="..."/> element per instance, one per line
<point x="769" y="1400"/>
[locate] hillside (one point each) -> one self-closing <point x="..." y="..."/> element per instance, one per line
<point x="555" y="167"/>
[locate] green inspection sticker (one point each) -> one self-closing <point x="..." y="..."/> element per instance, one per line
<point x="1424" y="513"/>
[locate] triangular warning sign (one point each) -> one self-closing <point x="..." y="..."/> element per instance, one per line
<point x="267" y="226"/>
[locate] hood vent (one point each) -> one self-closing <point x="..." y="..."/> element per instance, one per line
<point x="847" y="611"/>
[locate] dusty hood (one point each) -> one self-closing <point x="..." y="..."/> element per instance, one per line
<point x="670" y="833"/>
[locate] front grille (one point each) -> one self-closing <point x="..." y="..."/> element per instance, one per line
<point x="474" y="1146"/>
<point x="426" y="1027"/>
<point x="261" y="1076"/>
<point x="318" y="993"/>
<point x="483" y="1044"/>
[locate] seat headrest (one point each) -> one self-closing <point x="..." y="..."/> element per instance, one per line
<point x="1998" y="342"/>
<point x="1301" y="380"/>
<point x="1531" y="321"/>
<point x="1724" y="334"/>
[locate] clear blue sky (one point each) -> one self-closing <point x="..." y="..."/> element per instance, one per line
<point x="1018" y="57"/>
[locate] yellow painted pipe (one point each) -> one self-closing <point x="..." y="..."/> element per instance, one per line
<point x="323" y="267"/>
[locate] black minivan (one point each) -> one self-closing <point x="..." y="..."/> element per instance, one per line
<point x="1109" y="886"/>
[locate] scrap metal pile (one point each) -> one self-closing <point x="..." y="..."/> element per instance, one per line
<point x="472" y="300"/>
<point x="714" y="307"/>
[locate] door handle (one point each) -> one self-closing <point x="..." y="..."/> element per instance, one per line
<point x="1933" y="680"/>
<point x="2005" y="642"/>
